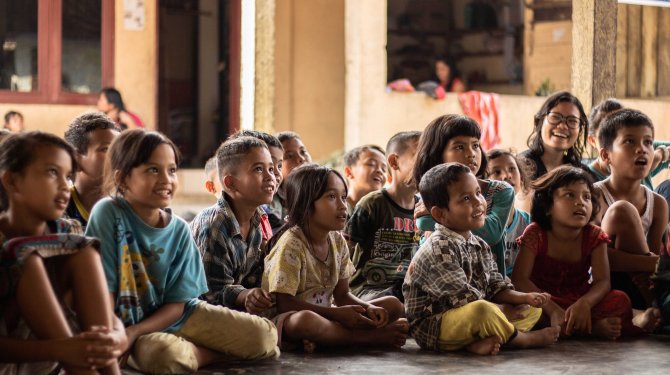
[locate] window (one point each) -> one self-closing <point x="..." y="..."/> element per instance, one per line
<point x="55" y="51"/>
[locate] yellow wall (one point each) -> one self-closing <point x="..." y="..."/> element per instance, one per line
<point x="309" y="71"/>
<point x="135" y="75"/>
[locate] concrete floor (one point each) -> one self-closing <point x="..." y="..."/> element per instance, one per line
<point x="648" y="355"/>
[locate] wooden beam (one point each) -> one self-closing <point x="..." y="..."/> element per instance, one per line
<point x="649" y="51"/>
<point x="663" y="67"/>
<point x="634" y="61"/>
<point x="621" y="50"/>
<point x="593" y="50"/>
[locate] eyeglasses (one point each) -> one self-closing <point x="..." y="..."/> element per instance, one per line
<point x="571" y="121"/>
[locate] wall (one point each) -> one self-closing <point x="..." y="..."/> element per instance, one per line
<point x="309" y="72"/>
<point x="134" y="75"/>
<point x="374" y="115"/>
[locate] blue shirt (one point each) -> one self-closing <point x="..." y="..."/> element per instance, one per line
<point x="146" y="267"/>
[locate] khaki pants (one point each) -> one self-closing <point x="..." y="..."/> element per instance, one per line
<point x="478" y="320"/>
<point x="235" y="334"/>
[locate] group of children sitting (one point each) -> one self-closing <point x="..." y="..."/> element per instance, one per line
<point x="427" y="238"/>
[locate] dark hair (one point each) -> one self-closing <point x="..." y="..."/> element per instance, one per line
<point x="435" y="138"/>
<point x="231" y="153"/>
<point x="129" y="150"/>
<point x="545" y="186"/>
<point x="399" y="143"/>
<point x="304" y="186"/>
<point x="617" y="120"/>
<point x="453" y="70"/>
<point x="351" y="157"/>
<point x="18" y="151"/>
<point x="287" y="136"/>
<point x="210" y="166"/>
<point x="77" y="132"/>
<point x="599" y="112"/>
<point x="434" y="185"/>
<point x="498" y="152"/>
<point x="114" y="97"/>
<point x="574" y="154"/>
<point x="10" y="114"/>
<point x="269" y="139"/>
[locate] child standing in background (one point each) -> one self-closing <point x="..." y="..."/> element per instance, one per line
<point x="153" y="268"/>
<point x="452" y="285"/>
<point x="48" y="268"/>
<point x="503" y="165"/>
<point x="308" y="271"/>
<point x="381" y="228"/>
<point x="455" y="138"/>
<point x="90" y="134"/>
<point x="365" y="171"/>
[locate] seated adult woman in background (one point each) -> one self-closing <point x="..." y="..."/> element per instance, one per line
<point x="448" y="76"/>
<point x="111" y="103"/>
<point x="558" y="137"/>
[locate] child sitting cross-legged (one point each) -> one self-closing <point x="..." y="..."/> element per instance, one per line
<point x="308" y="270"/>
<point x="557" y="251"/>
<point x="453" y="285"/>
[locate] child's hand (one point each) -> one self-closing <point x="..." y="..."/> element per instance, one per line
<point x="557" y="318"/>
<point x="257" y="301"/>
<point x="537" y="299"/>
<point x="90" y="353"/>
<point x="351" y="316"/>
<point x="379" y="315"/>
<point x="104" y="344"/>
<point x="578" y="318"/>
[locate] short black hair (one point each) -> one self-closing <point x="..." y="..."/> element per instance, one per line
<point x="269" y="139"/>
<point x="287" y="136"/>
<point x="210" y="166"/>
<point x="231" y="153"/>
<point x="521" y="167"/>
<point x="545" y="186"/>
<point x="599" y="112"/>
<point x="399" y="143"/>
<point x="77" y="132"/>
<point x="113" y="96"/>
<point x="10" y="114"/>
<point x="434" y="185"/>
<point x="617" y="120"/>
<point x="351" y="157"/>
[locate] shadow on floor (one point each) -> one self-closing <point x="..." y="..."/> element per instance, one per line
<point x="647" y="355"/>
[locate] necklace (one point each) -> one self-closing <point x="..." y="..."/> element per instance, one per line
<point x="310" y="247"/>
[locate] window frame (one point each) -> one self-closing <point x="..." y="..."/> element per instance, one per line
<point x="49" y="53"/>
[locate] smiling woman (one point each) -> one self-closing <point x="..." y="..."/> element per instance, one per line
<point x="558" y="136"/>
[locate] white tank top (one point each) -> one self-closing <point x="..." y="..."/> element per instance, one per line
<point x="648" y="215"/>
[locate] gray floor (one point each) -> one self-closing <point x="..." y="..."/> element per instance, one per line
<point x="648" y="355"/>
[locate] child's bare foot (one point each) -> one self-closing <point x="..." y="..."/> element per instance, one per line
<point x="487" y="346"/>
<point x="394" y="333"/>
<point x="648" y="320"/>
<point x="308" y="346"/>
<point x="536" y="339"/>
<point x="608" y="328"/>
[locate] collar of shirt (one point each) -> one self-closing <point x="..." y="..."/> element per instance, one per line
<point x="450" y="235"/>
<point x="231" y="222"/>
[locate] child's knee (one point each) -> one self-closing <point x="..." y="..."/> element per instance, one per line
<point x="163" y="353"/>
<point x="483" y="311"/>
<point x="623" y="215"/>
<point x="303" y="324"/>
<point x="393" y="306"/>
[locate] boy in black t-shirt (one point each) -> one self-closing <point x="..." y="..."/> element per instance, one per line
<point x="381" y="228"/>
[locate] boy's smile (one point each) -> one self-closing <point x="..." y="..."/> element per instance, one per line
<point x="467" y="206"/>
<point x="255" y="179"/>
